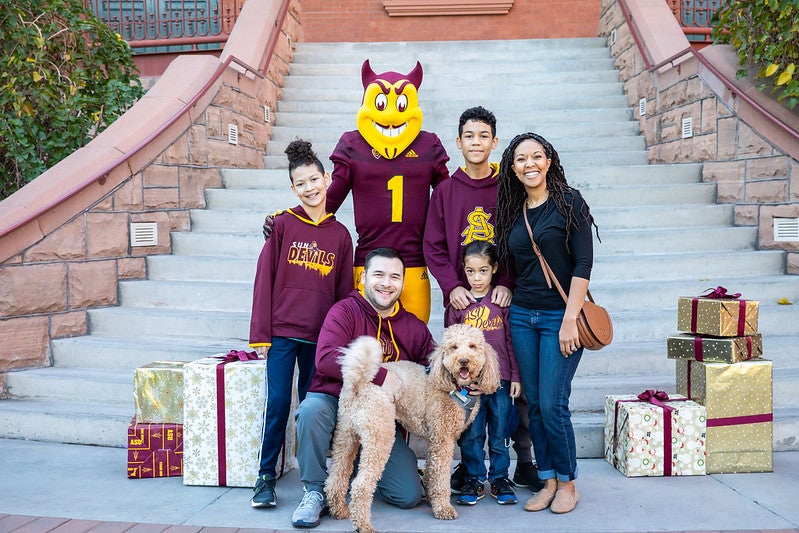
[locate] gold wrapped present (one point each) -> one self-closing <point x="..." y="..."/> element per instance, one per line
<point x="223" y="406"/>
<point x="158" y="391"/>
<point x="715" y="349"/>
<point x="722" y="317"/>
<point x="738" y="399"/>
<point x="654" y="435"/>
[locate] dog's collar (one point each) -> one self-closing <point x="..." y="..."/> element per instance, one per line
<point x="464" y="400"/>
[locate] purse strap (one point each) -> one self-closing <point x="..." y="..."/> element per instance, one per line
<point x="549" y="275"/>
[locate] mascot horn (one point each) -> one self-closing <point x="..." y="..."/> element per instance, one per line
<point x="390" y="118"/>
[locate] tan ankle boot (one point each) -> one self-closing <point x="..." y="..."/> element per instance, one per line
<point x="566" y="497"/>
<point x="541" y="499"/>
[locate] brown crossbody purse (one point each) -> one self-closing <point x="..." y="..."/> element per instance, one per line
<point x="593" y="321"/>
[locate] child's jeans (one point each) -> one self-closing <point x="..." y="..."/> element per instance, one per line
<point x="494" y="409"/>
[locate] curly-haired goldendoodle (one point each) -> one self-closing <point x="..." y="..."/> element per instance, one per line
<point x="366" y="417"/>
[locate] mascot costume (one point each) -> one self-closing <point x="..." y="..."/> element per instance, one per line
<point x="390" y="165"/>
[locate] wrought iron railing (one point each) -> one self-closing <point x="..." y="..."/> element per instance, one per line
<point x="189" y="24"/>
<point x="695" y="17"/>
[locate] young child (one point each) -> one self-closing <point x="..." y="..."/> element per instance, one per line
<point x="304" y="268"/>
<point x="479" y="265"/>
<point x="462" y="209"/>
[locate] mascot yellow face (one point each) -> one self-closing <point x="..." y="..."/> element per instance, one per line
<point x="390" y="118"/>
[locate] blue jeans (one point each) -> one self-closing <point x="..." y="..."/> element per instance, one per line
<point x="493" y="412"/>
<point x="279" y="379"/>
<point x="316" y="419"/>
<point x="546" y="380"/>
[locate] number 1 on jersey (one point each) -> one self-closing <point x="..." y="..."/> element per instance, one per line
<point x="394" y="185"/>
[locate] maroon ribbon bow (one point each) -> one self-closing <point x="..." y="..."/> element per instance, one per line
<point x="720" y="293"/>
<point x="231" y="357"/>
<point x="655" y="398"/>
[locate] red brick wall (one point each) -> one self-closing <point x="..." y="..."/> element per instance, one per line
<point x="367" y="20"/>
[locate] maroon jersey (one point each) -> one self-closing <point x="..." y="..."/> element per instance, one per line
<point x="389" y="196"/>
<point x="461" y="210"/>
<point x="493" y="321"/>
<point x="304" y="268"/>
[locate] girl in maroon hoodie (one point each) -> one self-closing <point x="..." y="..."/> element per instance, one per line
<point x="304" y="268"/>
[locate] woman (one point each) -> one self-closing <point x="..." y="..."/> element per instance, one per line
<point x="544" y="327"/>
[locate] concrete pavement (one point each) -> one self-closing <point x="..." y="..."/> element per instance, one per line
<point x="84" y="488"/>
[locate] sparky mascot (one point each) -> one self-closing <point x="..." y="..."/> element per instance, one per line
<point x="390" y="165"/>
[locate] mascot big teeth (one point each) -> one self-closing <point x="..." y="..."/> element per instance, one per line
<point x="390" y="164"/>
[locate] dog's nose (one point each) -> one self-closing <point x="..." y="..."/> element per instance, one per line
<point x="463" y="361"/>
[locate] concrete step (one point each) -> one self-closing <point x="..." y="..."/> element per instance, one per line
<point x="201" y="295"/>
<point x="72" y="385"/>
<point x="584" y="178"/>
<point x="676" y="240"/>
<point x="114" y="353"/>
<point x="201" y="268"/>
<point x="215" y="327"/>
<point x="662" y="216"/>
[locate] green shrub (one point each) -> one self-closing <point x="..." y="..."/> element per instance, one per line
<point x="765" y="35"/>
<point x="64" y="77"/>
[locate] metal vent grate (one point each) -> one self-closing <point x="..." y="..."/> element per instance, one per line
<point x="613" y="36"/>
<point x="786" y="230"/>
<point x="143" y="233"/>
<point x="642" y="106"/>
<point x="687" y="127"/>
<point x="267" y="114"/>
<point x="232" y="134"/>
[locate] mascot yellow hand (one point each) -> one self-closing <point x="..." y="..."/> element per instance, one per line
<point x="390" y="118"/>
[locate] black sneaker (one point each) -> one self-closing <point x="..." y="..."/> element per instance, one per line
<point x="473" y="491"/>
<point x="264" y="492"/>
<point x="502" y="491"/>
<point x="526" y="475"/>
<point x="458" y="479"/>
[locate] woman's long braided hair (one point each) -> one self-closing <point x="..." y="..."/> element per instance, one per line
<point x="511" y="195"/>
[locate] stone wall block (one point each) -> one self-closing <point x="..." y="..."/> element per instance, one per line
<point x="26" y="342"/>
<point x="792" y="265"/>
<point x="105" y="204"/>
<point x="766" y="192"/>
<point x="107" y="234"/>
<point x="704" y="148"/>
<point x="160" y="176"/>
<point x="750" y="143"/>
<point x="65" y="243"/>
<point x="225" y="96"/>
<point x="32" y="288"/>
<point x="745" y="215"/>
<point x="708" y="116"/>
<point x="69" y="324"/>
<point x="213" y="122"/>
<point x="179" y="221"/>
<point x="177" y="153"/>
<point x="727" y="138"/>
<point x="727" y="171"/>
<point x="730" y="192"/>
<point x="132" y="268"/>
<point x="224" y="155"/>
<point x="794" y="181"/>
<point x="193" y="183"/>
<point x="673" y="96"/>
<point x="768" y="167"/>
<point x="92" y="284"/>
<point x="161" y="198"/>
<point x="199" y="145"/>
<point x="128" y="197"/>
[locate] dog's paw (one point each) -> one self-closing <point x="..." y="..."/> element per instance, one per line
<point x="446" y="512"/>
<point x="364" y="528"/>
<point x="339" y="512"/>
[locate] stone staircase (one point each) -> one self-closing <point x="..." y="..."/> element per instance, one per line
<point x="663" y="237"/>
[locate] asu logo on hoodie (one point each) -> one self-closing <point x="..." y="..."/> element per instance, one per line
<point x="308" y="255"/>
<point x="480" y="317"/>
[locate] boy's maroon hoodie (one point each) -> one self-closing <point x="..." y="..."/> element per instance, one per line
<point x="403" y="337"/>
<point x="304" y="268"/>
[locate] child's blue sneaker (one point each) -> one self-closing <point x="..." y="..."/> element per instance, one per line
<point x="502" y="491"/>
<point x="472" y="492"/>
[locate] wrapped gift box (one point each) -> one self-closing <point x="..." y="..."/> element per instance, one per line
<point x="738" y="399"/>
<point x="719" y="317"/>
<point x="223" y="406"/>
<point x="155" y="450"/>
<point x="639" y="442"/>
<point x="715" y="349"/>
<point x="158" y="390"/>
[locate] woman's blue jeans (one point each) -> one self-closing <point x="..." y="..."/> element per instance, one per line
<point x="546" y="380"/>
<point x="279" y="380"/>
<point x="494" y="410"/>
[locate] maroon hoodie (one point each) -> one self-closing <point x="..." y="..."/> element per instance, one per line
<point x="403" y="337"/>
<point x="461" y="210"/>
<point x="304" y="268"/>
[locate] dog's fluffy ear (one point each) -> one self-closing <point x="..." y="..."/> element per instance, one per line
<point x="488" y="379"/>
<point x="439" y="376"/>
